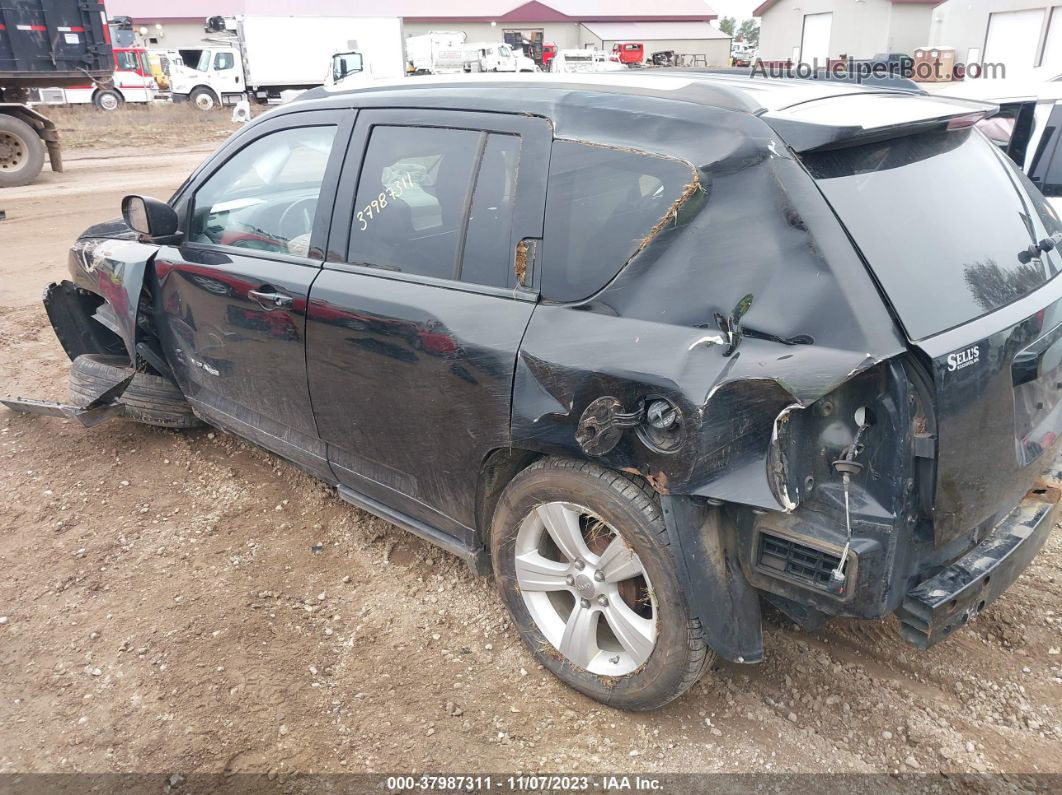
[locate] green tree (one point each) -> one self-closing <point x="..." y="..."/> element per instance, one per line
<point x="749" y="32"/>
<point x="726" y="24"/>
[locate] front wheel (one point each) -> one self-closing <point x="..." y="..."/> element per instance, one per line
<point x="107" y="99"/>
<point x="204" y="99"/>
<point x="581" y="558"/>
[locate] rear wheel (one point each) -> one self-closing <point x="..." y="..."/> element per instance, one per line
<point x="21" y="152"/>
<point x="150" y="399"/>
<point x="581" y="558"/>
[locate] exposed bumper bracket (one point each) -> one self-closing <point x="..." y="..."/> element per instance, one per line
<point x="953" y="597"/>
<point x="105" y="405"/>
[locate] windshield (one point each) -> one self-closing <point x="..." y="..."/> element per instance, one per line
<point x="945" y="222"/>
<point x="195" y="59"/>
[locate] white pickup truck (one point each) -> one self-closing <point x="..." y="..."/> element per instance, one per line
<point x="484" y="56"/>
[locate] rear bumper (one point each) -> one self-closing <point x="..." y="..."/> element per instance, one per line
<point x="953" y="597"/>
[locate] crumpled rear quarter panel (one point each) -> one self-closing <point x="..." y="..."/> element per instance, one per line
<point x="757" y="236"/>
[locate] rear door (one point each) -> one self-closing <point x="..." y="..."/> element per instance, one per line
<point x="232" y="298"/>
<point x="965" y="250"/>
<point x="414" y="323"/>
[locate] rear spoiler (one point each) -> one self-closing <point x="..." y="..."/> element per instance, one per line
<point x="865" y="117"/>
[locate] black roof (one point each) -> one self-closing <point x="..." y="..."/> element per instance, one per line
<point x="623" y="108"/>
<point x="728" y="91"/>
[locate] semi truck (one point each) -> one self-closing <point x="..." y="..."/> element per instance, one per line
<point x="43" y="44"/>
<point x="262" y="56"/>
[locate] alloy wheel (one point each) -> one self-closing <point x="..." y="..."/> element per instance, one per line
<point x="586" y="589"/>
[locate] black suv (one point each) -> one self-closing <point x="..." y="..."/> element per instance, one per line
<point x="655" y="349"/>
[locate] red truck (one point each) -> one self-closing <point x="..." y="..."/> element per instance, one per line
<point x="632" y="52"/>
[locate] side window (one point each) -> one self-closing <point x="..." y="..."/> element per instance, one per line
<point x="602" y="204"/>
<point x="437" y="202"/>
<point x="126" y="61"/>
<point x="265" y="196"/>
<point x="489" y="251"/>
<point x="223" y="61"/>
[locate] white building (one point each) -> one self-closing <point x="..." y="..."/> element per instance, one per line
<point x="810" y="30"/>
<point x="1019" y="34"/>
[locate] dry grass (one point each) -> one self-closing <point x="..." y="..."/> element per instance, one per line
<point x="155" y="124"/>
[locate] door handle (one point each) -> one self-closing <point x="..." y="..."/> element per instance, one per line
<point x="268" y="299"/>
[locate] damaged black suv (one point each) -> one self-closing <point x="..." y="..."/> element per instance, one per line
<point x="655" y="349"/>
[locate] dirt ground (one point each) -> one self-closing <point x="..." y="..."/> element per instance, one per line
<point x="185" y="602"/>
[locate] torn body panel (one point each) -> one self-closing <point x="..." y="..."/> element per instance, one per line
<point x="110" y="262"/>
<point x="100" y="407"/>
<point x="801" y="316"/>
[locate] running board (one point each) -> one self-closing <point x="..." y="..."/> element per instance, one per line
<point x="102" y="407"/>
<point x="475" y="557"/>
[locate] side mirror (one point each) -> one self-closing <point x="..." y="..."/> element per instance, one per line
<point x="150" y="217"/>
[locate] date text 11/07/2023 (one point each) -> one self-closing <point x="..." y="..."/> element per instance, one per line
<point x="524" y="783"/>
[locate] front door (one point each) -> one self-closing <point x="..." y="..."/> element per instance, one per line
<point x="232" y="298"/>
<point x="415" y="321"/>
<point x="227" y="72"/>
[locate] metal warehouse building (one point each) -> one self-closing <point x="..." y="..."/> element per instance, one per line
<point x="678" y="25"/>
<point x="809" y="30"/>
<point x="1020" y="34"/>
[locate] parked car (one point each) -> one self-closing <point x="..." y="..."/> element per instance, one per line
<point x="899" y="64"/>
<point x="651" y="373"/>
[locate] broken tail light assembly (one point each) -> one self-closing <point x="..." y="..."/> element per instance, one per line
<point x="847" y="469"/>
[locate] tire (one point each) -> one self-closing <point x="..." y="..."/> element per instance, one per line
<point x="107" y="99"/>
<point x="627" y="513"/>
<point x="21" y="152"/>
<point x="204" y="99"/>
<point x="150" y="399"/>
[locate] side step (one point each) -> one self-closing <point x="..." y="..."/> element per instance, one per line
<point x="102" y="407"/>
<point x="475" y="557"/>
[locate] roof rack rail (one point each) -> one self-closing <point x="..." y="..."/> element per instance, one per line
<point x="854" y="77"/>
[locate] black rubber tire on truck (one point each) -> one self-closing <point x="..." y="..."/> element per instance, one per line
<point x="107" y="99"/>
<point x="204" y="99"/>
<point x="150" y="399"/>
<point x="21" y="152"/>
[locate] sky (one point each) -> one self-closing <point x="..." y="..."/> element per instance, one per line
<point x="739" y="9"/>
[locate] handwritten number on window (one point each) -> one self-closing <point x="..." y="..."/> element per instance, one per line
<point x="373" y="208"/>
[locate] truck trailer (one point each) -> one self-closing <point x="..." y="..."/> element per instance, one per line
<point x="262" y="56"/>
<point x="44" y="44"/>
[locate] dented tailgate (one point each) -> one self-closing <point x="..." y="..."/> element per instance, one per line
<point x="965" y="251"/>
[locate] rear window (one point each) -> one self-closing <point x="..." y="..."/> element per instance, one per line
<point x="941" y="219"/>
<point x="601" y="204"/>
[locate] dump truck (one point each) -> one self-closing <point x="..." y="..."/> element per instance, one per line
<point x="45" y="44"/>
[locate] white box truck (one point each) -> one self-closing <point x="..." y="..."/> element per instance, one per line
<point x="262" y="56"/>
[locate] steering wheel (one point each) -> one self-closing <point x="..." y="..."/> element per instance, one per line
<point x="300" y="212"/>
